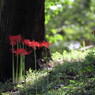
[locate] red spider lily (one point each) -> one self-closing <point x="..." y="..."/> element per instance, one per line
<point x="26" y="41"/>
<point x="44" y="44"/>
<point x="13" y="43"/>
<point x="20" y="51"/>
<point x="14" y="39"/>
<point x="34" y="44"/>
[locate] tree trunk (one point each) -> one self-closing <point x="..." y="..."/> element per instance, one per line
<point x="25" y="17"/>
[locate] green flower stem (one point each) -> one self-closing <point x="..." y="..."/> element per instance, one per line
<point x="35" y="67"/>
<point x="47" y="66"/>
<point x="17" y="73"/>
<point x="17" y="69"/>
<point x="24" y="61"/>
<point x="23" y="65"/>
<point x="13" y="70"/>
<point x="35" y="59"/>
<point x="20" y="68"/>
<point x="26" y="93"/>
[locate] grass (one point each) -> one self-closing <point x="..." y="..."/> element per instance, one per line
<point x="72" y="73"/>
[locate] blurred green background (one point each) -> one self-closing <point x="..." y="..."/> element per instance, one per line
<point x="69" y="23"/>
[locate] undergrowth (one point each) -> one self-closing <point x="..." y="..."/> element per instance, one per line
<point x="71" y="73"/>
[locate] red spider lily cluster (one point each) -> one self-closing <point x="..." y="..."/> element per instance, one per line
<point x="17" y="42"/>
<point x="14" y="39"/>
<point x="20" y="51"/>
<point x="32" y="44"/>
<point x="44" y="44"/>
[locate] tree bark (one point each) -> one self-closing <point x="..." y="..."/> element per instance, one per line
<point x="25" y="17"/>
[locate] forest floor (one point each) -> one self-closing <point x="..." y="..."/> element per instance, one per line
<point x="70" y="73"/>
